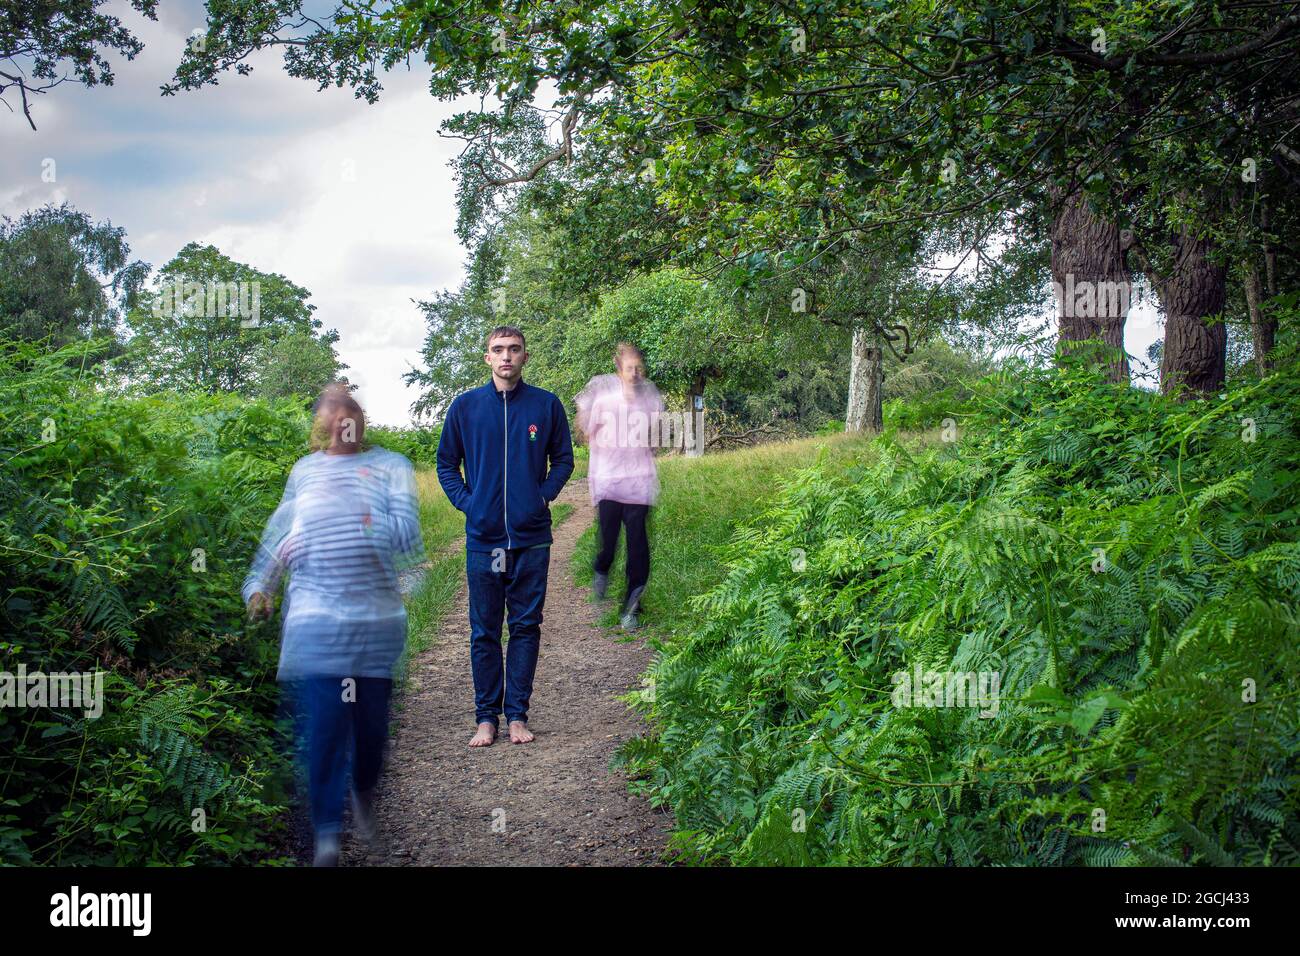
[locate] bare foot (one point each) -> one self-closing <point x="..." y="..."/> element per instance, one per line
<point x="519" y="733"/>
<point x="486" y="736"/>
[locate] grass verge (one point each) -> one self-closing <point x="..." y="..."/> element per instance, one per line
<point x="701" y="503"/>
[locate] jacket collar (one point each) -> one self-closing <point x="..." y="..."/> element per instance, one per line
<point x="495" y="392"/>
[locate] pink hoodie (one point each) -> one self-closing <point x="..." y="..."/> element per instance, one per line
<point x="621" y="433"/>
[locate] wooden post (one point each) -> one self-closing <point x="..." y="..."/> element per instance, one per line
<point x="695" y="411"/>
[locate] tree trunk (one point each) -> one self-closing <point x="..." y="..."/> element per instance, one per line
<point x="1090" y="279"/>
<point x="866" y="381"/>
<point x="1263" y="329"/>
<point x="1196" y="340"/>
<point x="1270" y="254"/>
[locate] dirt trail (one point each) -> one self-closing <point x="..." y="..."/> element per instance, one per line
<point x="552" y="802"/>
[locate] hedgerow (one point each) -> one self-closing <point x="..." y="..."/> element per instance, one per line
<point x="126" y="530"/>
<point x="420" y="445"/>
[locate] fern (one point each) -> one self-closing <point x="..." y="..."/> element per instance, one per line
<point x="1123" y="691"/>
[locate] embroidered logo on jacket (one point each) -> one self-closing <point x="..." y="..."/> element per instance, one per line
<point x="532" y="433"/>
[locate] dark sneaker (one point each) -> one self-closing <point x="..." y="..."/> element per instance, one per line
<point x="630" y="608"/>
<point x="600" y="584"/>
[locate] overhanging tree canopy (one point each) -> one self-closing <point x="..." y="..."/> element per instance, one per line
<point x="782" y="131"/>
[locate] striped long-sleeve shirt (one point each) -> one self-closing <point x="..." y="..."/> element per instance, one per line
<point x="345" y="527"/>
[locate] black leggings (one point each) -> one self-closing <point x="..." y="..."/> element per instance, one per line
<point x="633" y="517"/>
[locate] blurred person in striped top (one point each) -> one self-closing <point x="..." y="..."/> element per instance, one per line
<point x="347" y="525"/>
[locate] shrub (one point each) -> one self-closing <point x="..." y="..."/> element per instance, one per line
<point x="126" y="530"/>
<point x="1129" y="566"/>
<point x="420" y="445"/>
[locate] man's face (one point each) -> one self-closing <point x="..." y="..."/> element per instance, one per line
<point x="507" y="357"/>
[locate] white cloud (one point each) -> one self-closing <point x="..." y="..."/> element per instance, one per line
<point x="352" y="201"/>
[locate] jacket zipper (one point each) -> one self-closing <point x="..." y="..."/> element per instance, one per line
<point x="505" y="463"/>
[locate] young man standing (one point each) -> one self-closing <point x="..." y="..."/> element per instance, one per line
<point x="514" y="442"/>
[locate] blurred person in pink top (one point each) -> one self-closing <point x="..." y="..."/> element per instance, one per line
<point x="619" y="414"/>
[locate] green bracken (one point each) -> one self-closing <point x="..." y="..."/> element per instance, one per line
<point x="1129" y="567"/>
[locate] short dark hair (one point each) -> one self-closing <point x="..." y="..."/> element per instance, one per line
<point x="505" y="332"/>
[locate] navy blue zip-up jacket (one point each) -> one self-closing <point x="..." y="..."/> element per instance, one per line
<point x="506" y="441"/>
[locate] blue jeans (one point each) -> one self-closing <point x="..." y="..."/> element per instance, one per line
<point x="339" y="725"/>
<point x="504" y="580"/>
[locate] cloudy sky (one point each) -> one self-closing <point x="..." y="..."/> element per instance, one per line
<point x="352" y="201"/>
